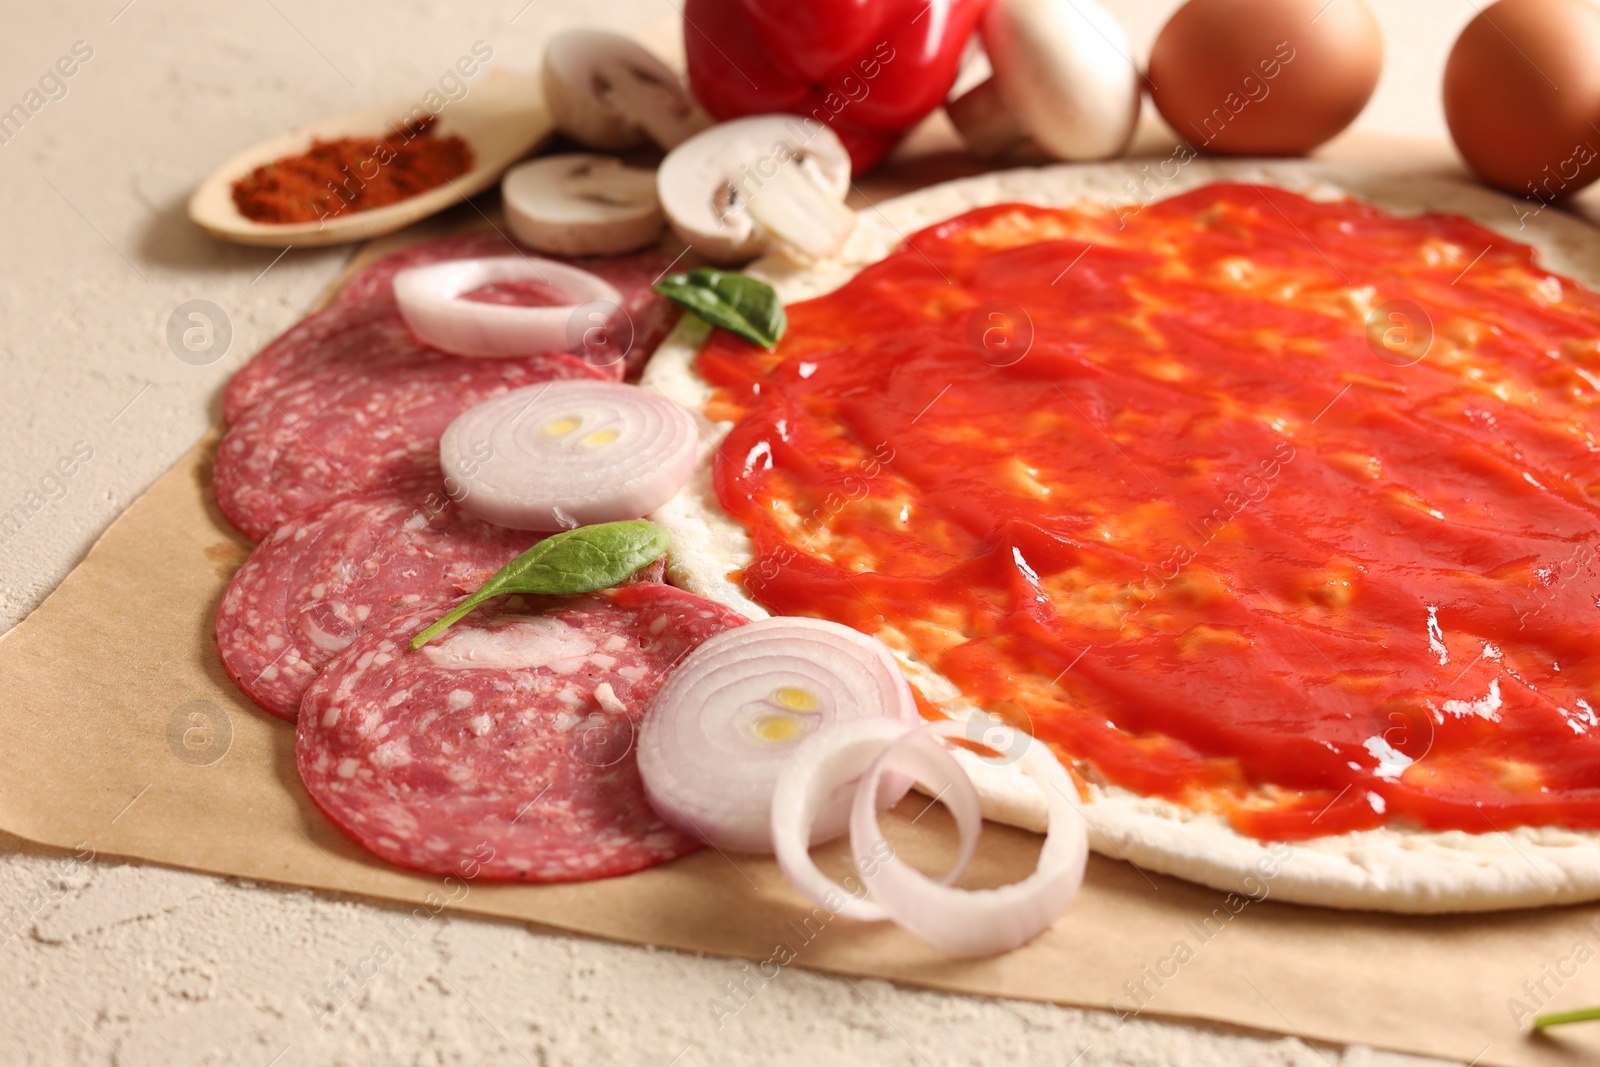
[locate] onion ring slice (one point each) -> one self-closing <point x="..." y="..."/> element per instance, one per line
<point x="563" y="454"/>
<point x="829" y="766"/>
<point x="720" y="731"/>
<point x="430" y="302"/>
<point x="977" y="922"/>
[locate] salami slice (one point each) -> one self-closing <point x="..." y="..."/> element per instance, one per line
<point x="504" y="748"/>
<point x="317" y="582"/>
<point x="375" y="281"/>
<point x="633" y="275"/>
<point x="341" y="336"/>
<point x="344" y="429"/>
<point x="363" y="326"/>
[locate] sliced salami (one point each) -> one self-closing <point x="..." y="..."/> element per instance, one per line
<point x="341" y="336"/>
<point x="504" y="748"/>
<point x="633" y="275"/>
<point x="650" y="316"/>
<point x="317" y="582"/>
<point x="375" y="281"/>
<point x="344" y="429"/>
<point x="363" y="326"/>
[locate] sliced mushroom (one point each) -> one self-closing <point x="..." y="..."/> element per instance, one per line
<point x="607" y="91"/>
<point x="738" y="188"/>
<point x="1062" y="77"/>
<point x="582" y="205"/>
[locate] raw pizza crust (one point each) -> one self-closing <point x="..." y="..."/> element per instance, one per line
<point x="1398" y="870"/>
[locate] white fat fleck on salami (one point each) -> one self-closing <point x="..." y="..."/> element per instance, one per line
<point x="321" y="639"/>
<point x="510" y="641"/>
<point x="534" y="778"/>
<point x="392" y="754"/>
<point x="308" y="591"/>
<point x="606" y="697"/>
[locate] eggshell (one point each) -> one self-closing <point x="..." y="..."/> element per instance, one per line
<point x="1521" y="90"/>
<point x="1265" y="77"/>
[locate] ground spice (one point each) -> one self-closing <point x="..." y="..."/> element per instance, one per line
<point x="352" y="174"/>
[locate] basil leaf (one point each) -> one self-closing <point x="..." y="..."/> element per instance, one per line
<point x="737" y="302"/>
<point x="576" y="561"/>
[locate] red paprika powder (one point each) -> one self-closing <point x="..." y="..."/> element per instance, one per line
<point x="352" y="174"/>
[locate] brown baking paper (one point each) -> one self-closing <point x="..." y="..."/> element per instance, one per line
<point x="121" y="731"/>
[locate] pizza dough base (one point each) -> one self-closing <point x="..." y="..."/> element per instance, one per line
<point x="1387" y="869"/>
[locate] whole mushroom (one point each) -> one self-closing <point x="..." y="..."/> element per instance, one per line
<point x="607" y="91"/>
<point x="1062" y="79"/>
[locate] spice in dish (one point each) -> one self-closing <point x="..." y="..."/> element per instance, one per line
<point x="352" y="174"/>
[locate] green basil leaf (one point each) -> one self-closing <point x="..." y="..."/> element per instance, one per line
<point x="576" y="561"/>
<point x="737" y="302"/>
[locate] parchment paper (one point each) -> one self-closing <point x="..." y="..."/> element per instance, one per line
<point x="119" y="730"/>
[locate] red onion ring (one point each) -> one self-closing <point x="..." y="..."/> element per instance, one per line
<point x="977" y="922"/>
<point x="719" y="733"/>
<point x="826" y="770"/>
<point x="430" y="302"/>
<point x="569" y="453"/>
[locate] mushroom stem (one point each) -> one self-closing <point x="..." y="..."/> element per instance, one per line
<point x="795" y="207"/>
<point x="742" y="187"/>
<point x="988" y="126"/>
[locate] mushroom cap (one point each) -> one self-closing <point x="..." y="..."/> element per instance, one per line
<point x="706" y="183"/>
<point x="1064" y="69"/>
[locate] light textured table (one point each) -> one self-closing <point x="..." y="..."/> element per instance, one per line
<point x="127" y="964"/>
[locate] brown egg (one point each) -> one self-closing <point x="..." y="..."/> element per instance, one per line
<point x="1521" y="89"/>
<point x="1265" y="77"/>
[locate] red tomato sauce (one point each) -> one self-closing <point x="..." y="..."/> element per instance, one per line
<point x="1207" y="536"/>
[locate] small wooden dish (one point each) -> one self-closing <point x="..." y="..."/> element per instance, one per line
<point x="503" y="119"/>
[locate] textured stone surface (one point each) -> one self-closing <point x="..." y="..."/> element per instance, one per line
<point x="128" y="964"/>
<point x="112" y="963"/>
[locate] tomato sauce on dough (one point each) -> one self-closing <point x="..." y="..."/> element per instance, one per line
<point x="1278" y="509"/>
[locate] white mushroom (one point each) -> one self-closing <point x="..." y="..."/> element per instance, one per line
<point x="738" y="188"/>
<point x="1062" y="76"/>
<point x="582" y="205"/>
<point x="607" y="91"/>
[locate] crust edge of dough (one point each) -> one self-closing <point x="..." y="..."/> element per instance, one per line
<point x="1387" y="869"/>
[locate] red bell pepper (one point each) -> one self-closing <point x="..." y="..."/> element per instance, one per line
<point x="871" y="69"/>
